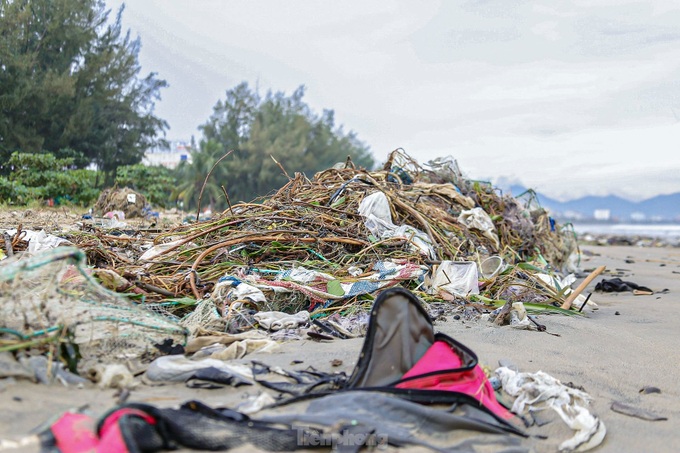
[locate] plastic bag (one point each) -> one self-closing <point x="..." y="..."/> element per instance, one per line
<point x="375" y="209"/>
<point x="478" y="219"/>
<point x="455" y="277"/>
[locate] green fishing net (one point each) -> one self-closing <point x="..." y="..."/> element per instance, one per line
<point x="52" y="293"/>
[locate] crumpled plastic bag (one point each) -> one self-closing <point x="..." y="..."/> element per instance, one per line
<point x="301" y="274"/>
<point x="159" y="249"/>
<point x="229" y="288"/>
<point x="519" y="319"/>
<point x="177" y="368"/>
<point x="255" y="403"/>
<point x="540" y="389"/>
<point x="39" y="240"/>
<point x="455" y="277"/>
<point x="277" y="320"/>
<point x="375" y="209"/>
<point x="478" y="219"/>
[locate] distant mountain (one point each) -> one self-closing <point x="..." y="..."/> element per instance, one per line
<point x="659" y="208"/>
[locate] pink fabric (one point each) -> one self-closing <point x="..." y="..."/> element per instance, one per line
<point x="75" y="433"/>
<point x="111" y="437"/>
<point x="440" y="357"/>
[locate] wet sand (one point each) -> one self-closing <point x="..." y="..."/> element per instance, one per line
<point x="629" y="343"/>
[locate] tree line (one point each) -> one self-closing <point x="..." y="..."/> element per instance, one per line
<point x="71" y="87"/>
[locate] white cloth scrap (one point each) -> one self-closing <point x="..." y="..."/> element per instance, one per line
<point x="277" y="320"/>
<point x="231" y="289"/>
<point x="539" y="390"/>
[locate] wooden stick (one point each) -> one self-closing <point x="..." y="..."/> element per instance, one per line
<point x="574" y="294"/>
<point x="205" y="181"/>
<point x="281" y="167"/>
<point x="8" y="245"/>
<point x="226" y="195"/>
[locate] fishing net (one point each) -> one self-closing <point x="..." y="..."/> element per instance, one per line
<point x="51" y="294"/>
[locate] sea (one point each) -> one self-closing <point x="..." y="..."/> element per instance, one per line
<point x="654" y="230"/>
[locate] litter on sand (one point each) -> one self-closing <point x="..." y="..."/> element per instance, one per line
<point x="344" y="254"/>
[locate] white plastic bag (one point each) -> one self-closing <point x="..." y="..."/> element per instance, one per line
<point x="157" y="250"/>
<point x="375" y="209"/>
<point x="455" y="277"/>
<point x="478" y="219"/>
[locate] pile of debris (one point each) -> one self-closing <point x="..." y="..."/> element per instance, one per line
<point x="107" y="300"/>
<point x="121" y="200"/>
<point x="328" y="245"/>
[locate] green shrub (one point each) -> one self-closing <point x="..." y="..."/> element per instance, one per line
<point x="14" y="193"/>
<point x="42" y="176"/>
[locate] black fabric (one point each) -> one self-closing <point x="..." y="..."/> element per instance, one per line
<point x="399" y="332"/>
<point x="214" y="378"/>
<point x="345" y="421"/>
<point x="304" y="381"/>
<point x="47" y="441"/>
<point x="140" y="436"/>
<point x="197" y="426"/>
<point x="399" y="422"/>
<point x="618" y="285"/>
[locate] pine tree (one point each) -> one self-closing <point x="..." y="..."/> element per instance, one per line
<point x="259" y="128"/>
<point x="70" y="79"/>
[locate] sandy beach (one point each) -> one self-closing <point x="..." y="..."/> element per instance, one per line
<point x="629" y="343"/>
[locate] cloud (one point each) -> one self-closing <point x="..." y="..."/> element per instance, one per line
<point x="556" y="94"/>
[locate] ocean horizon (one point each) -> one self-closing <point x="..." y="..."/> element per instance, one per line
<point x="656" y="230"/>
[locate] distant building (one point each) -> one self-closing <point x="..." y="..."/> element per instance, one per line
<point x="638" y="217"/>
<point x="602" y="214"/>
<point x="573" y="215"/>
<point x="170" y="156"/>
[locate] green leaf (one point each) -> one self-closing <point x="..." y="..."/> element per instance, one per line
<point x="543" y="308"/>
<point x="530" y="267"/>
<point x="338" y="202"/>
<point x="532" y="308"/>
<point x="182" y="301"/>
<point x="333" y="287"/>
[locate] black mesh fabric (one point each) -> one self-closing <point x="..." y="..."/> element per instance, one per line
<point x="197" y="426"/>
<point x="346" y="422"/>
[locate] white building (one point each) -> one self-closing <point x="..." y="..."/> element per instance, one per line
<point x="602" y="214"/>
<point x="170" y="157"/>
<point x="638" y="217"/>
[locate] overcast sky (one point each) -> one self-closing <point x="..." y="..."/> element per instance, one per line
<point x="568" y="97"/>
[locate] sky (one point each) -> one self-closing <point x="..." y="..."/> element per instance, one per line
<point x="567" y="97"/>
